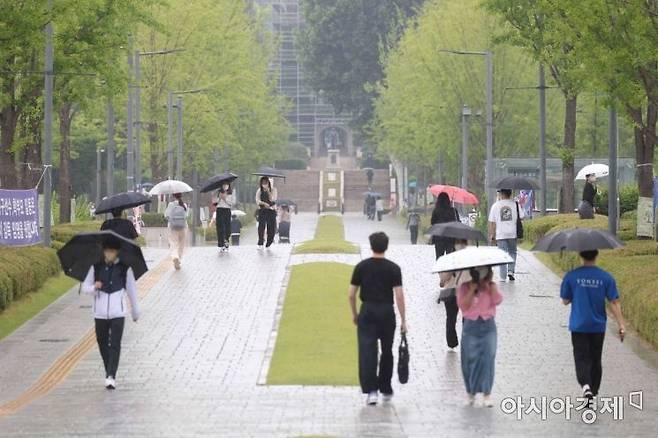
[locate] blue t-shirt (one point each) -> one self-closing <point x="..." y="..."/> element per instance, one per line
<point x="588" y="287"/>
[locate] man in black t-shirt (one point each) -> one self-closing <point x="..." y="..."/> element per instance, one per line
<point x="380" y="284"/>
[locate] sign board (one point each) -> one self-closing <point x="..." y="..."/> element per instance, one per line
<point x="19" y="217"/>
<point x="645" y="217"/>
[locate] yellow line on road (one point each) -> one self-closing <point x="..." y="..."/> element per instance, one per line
<point x="63" y="366"/>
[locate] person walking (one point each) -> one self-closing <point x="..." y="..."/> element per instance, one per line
<point x="236" y="228"/>
<point x="503" y="218"/>
<point x="379" y="283"/>
<point x="223" y="216"/>
<point x="266" y="197"/>
<point x="109" y="281"/>
<point x="586" y="207"/>
<point x="379" y="207"/>
<point x="284" y="224"/>
<point x="413" y="222"/>
<point x="449" y="282"/>
<point x="176" y="215"/>
<point x="586" y="289"/>
<point x="443" y="212"/>
<point x="120" y="225"/>
<point x="477" y="300"/>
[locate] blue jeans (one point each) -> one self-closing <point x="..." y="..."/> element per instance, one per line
<point x="478" y="354"/>
<point x="509" y="246"/>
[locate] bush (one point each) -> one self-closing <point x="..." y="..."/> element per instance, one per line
<point x="154" y="220"/>
<point x="23" y="270"/>
<point x="64" y="232"/>
<point x="628" y="197"/>
<point x="291" y="164"/>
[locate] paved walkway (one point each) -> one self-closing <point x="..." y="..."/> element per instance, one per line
<point x="191" y="365"/>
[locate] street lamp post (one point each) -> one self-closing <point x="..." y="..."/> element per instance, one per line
<point x="48" y="130"/>
<point x="110" y="149"/>
<point x="466" y="114"/>
<point x="542" y="138"/>
<point x="179" y="158"/>
<point x="488" y="175"/>
<point x="170" y="135"/>
<point x="130" y="152"/>
<point x="170" y="119"/>
<point x="99" y="168"/>
<point x="612" y="177"/>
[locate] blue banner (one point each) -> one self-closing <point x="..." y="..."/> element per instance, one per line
<point x="19" y="217"/>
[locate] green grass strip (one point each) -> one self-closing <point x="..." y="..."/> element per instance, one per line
<point x="329" y="239"/>
<point x="316" y="342"/>
<point x="31" y="304"/>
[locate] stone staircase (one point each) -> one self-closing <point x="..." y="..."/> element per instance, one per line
<point x="356" y="183"/>
<point x="302" y="187"/>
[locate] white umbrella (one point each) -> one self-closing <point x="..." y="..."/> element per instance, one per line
<point x="600" y="170"/>
<point x="238" y="213"/>
<point x="471" y="257"/>
<point x="170" y="187"/>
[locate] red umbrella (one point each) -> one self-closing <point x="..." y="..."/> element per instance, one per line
<point x="456" y="194"/>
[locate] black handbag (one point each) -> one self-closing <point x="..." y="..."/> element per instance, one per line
<point x="403" y="360"/>
<point x="519" y="223"/>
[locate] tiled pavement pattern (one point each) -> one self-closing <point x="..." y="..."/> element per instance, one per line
<point x="190" y="366"/>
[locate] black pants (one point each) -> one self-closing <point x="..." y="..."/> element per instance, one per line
<point x="443" y="245"/>
<point x="451" y="321"/>
<point x="266" y="220"/>
<point x="376" y="322"/>
<point x="223" y="223"/>
<point x="587" y="349"/>
<point x="413" y="229"/>
<point x="108" y="336"/>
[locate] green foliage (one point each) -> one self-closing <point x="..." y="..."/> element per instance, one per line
<point x="154" y="220"/>
<point x="628" y="197"/>
<point x="329" y="239"/>
<point x="34" y="302"/>
<point x="23" y="270"/>
<point x="315" y="308"/>
<point x="340" y="45"/>
<point x="64" y="232"/>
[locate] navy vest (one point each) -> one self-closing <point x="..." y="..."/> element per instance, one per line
<point x="112" y="276"/>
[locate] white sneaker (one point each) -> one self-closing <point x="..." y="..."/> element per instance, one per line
<point x="260" y="247"/>
<point x="110" y="383"/>
<point x="387" y="397"/>
<point x="451" y="349"/>
<point x="487" y="402"/>
<point x="470" y="400"/>
<point x="371" y="400"/>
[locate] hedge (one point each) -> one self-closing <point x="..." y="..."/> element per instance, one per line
<point x="154" y="220"/>
<point x="23" y="270"/>
<point x="537" y="228"/>
<point x="64" y="232"/>
<point x="628" y="197"/>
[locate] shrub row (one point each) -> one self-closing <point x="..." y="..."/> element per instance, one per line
<point x="154" y="220"/>
<point x="64" y="232"/>
<point x="23" y="270"/>
<point x="628" y="196"/>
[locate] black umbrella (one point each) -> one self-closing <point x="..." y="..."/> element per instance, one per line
<point x="121" y="201"/>
<point x="269" y="172"/>
<point x="216" y="181"/>
<point x="456" y="230"/>
<point x="86" y="249"/>
<point x="517" y="183"/>
<point x="577" y="239"/>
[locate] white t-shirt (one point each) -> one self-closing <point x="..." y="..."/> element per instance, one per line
<point x="503" y="214"/>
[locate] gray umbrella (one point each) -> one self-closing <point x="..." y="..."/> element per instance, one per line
<point x="456" y="230"/>
<point x="578" y="239"/>
<point x="517" y="183"/>
<point x="269" y="172"/>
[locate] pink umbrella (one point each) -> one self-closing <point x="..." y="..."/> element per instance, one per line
<point x="456" y="194"/>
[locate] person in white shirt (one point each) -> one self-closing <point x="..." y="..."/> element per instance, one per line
<point x="109" y="281"/>
<point x="176" y="214"/>
<point x="502" y="229"/>
<point x="223" y="216"/>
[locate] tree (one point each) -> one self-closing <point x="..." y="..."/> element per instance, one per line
<point x="615" y="41"/>
<point x="340" y="46"/>
<point x="530" y="25"/>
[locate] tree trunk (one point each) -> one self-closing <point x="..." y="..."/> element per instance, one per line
<point x="568" y="152"/>
<point x="30" y="173"/>
<point x="645" y="144"/>
<point x="8" y="121"/>
<point x="155" y="155"/>
<point x="65" y="118"/>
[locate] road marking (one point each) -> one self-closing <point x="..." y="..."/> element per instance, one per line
<point x="63" y="366"/>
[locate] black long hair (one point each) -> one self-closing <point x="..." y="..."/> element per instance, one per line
<point x="266" y="179"/>
<point x="179" y="198"/>
<point x="443" y="211"/>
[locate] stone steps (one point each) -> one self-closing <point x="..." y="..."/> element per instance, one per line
<point x="356" y="183"/>
<point x="302" y="187"/>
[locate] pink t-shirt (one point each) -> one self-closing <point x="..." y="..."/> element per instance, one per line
<point x="484" y="302"/>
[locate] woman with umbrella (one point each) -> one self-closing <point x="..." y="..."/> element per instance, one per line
<point x="224" y="204"/>
<point x="116" y="205"/>
<point x="586" y="207"/>
<point x="109" y="281"/>
<point x="266" y="197"/>
<point x="176" y="214"/>
<point x="443" y="212"/>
